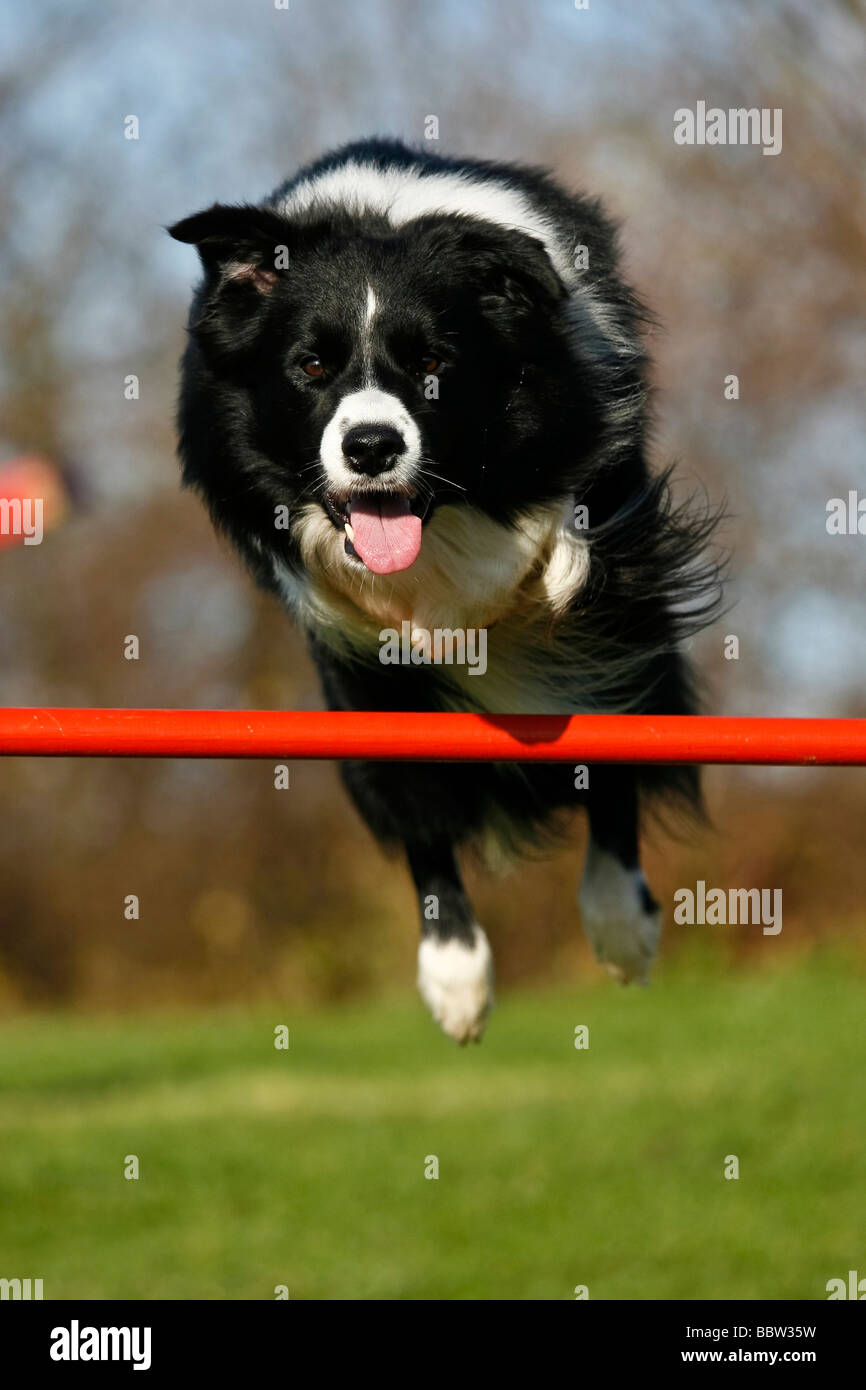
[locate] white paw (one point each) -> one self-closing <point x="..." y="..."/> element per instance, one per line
<point x="456" y="983"/>
<point x="622" y="933"/>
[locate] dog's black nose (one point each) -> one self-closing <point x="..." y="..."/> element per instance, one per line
<point x="372" y="449"/>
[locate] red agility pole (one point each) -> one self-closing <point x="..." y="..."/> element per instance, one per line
<point x="579" y="738"/>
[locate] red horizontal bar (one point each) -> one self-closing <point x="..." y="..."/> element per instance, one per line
<point x="579" y="738"/>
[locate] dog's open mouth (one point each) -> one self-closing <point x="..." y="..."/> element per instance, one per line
<point x="382" y="529"/>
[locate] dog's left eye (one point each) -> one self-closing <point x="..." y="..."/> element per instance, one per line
<point x="313" y="366"/>
<point x="429" y="364"/>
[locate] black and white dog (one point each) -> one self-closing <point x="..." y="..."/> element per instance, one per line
<point x="414" y="394"/>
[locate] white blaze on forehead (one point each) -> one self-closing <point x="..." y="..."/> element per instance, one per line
<point x="367" y="317"/>
<point x="369" y="407"/>
<point x="403" y="195"/>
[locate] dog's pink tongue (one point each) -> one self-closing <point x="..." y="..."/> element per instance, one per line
<point x="387" y="534"/>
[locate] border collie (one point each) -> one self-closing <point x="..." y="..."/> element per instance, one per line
<point x="415" y="398"/>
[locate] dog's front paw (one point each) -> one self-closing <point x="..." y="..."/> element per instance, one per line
<point x="455" y="978"/>
<point x="620" y="917"/>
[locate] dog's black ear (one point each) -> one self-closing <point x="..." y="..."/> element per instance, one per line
<point x="515" y="269"/>
<point x="508" y="269"/>
<point x="242" y="245"/>
<point x="245" y="251"/>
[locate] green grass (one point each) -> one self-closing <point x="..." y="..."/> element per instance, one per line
<point x="557" y="1167"/>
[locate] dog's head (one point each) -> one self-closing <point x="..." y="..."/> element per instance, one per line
<point x="379" y="372"/>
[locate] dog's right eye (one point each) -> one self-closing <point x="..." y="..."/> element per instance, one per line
<point x="313" y="366"/>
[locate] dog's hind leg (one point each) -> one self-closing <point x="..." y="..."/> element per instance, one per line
<point x="455" y="965"/>
<point x="620" y="916"/>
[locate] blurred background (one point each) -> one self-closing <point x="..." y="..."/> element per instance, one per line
<point x="753" y="265"/>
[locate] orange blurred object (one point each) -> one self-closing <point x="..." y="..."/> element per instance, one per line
<point x="33" y="499"/>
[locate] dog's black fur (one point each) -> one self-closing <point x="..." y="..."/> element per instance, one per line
<point x="543" y="396"/>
